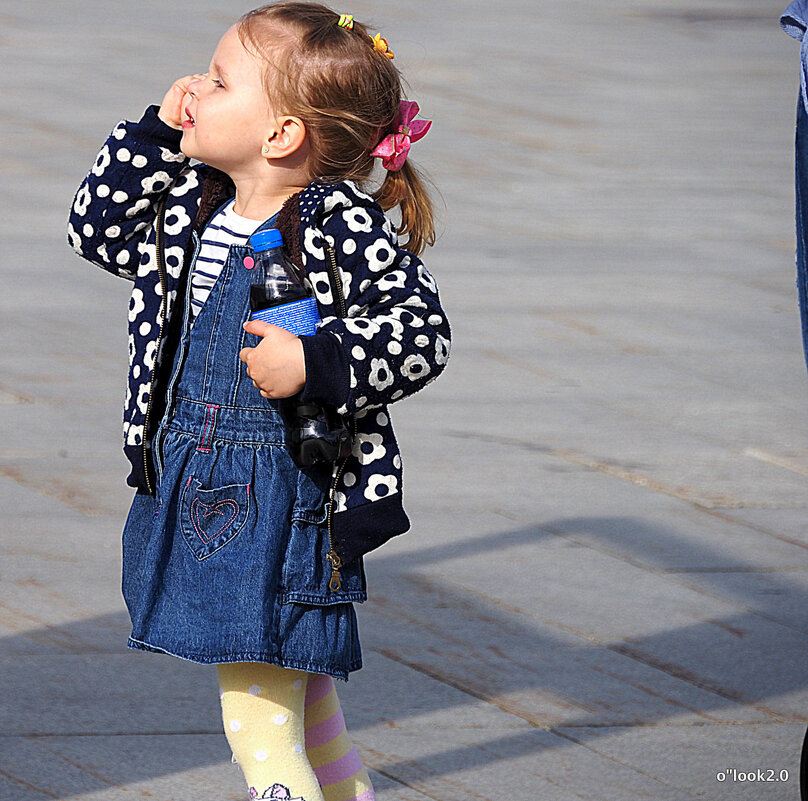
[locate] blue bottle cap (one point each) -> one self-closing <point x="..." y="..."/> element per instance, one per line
<point x="265" y="240"/>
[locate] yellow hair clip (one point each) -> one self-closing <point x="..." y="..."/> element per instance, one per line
<point x="380" y="45"/>
<point x="345" y="21"/>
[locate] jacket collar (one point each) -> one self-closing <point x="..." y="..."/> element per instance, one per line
<point x="217" y="188"/>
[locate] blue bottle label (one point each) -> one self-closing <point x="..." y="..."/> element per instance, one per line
<point x="299" y="316"/>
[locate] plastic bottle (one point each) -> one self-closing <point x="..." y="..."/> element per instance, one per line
<point x="315" y="433"/>
<point x="280" y="297"/>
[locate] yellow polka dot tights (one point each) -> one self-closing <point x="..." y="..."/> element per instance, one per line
<point x="287" y="733"/>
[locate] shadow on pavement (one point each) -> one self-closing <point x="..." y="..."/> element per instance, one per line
<point x="553" y="673"/>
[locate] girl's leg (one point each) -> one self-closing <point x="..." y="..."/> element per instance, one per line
<point x="262" y="709"/>
<point x="339" y="769"/>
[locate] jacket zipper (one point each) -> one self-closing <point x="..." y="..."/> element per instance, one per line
<point x="335" y="584"/>
<point x="172" y="382"/>
<point x="161" y="270"/>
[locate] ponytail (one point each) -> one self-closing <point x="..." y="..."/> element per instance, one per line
<point x="405" y="188"/>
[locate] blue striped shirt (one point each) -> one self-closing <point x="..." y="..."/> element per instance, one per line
<point x="225" y="229"/>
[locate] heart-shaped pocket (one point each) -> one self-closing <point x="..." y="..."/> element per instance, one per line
<point x="211" y="519"/>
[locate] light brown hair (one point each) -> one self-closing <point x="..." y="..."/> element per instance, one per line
<point x="347" y="95"/>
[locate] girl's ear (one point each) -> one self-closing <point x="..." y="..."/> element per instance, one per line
<point x="286" y="138"/>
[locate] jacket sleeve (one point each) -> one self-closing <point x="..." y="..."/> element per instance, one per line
<point x="395" y="338"/>
<point x="117" y="200"/>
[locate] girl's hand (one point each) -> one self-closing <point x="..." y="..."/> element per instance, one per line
<point x="171" y="108"/>
<point x="276" y="365"/>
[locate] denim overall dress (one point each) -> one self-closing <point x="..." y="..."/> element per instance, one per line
<point x="228" y="562"/>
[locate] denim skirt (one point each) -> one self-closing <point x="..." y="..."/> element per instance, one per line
<point x="228" y="562"/>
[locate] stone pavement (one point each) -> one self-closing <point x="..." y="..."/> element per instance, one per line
<point x="605" y="591"/>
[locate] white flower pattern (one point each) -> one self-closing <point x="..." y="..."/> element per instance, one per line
<point x="393" y="279"/>
<point x="441" y="349"/>
<point x="140" y="205"/>
<point x="358" y="220"/>
<point x="148" y="261"/>
<point x="74" y="240"/>
<point x="415" y="366"/>
<point x="187" y="181"/>
<point x="380" y="486"/>
<point x="362" y="326"/>
<point x="82" y="202"/>
<point x="321" y="286"/>
<point x="156" y="183"/>
<point x="368" y="448"/>
<point x="134" y="434"/>
<point x="345" y="279"/>
<point x="102" y="161"/>
<point x="174" y="258"/>
<point x="170" y="156"/>
<point x="148" y="356"/>
<point x="313" y="243"/>
<point x="336" y="200"/>
<point x="176" y="220"/>
<point x="143" y="397"/>
<point x="381" y="376"/>
<point x="380" y="255"/>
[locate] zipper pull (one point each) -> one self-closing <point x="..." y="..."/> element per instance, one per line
<point x="335" y="585"/>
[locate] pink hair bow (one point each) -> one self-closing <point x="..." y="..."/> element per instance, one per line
<point x="393" y="149"/>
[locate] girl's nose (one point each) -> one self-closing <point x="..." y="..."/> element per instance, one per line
<point x="193" y="86"/>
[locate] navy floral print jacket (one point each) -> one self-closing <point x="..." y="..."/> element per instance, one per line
<point x="139" y="213"/>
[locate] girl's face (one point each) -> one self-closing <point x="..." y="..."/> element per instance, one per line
<point x="226" y="114"/>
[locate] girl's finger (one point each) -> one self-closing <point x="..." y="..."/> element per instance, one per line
<point x="180" y="86"/>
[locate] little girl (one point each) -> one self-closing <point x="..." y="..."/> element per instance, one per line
<point x="232" y="555"/>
